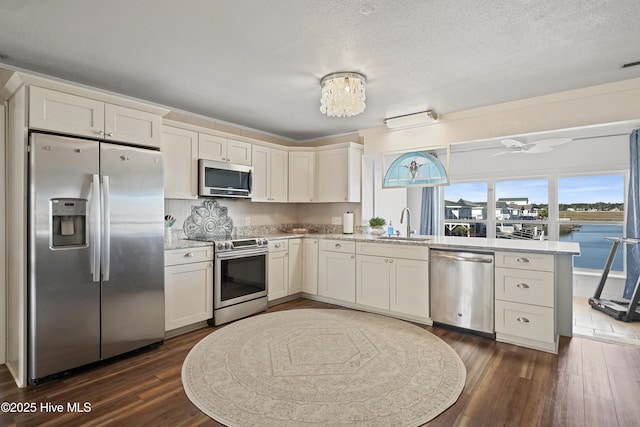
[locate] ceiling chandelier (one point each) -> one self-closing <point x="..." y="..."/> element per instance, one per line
<point x="343" y="94"/>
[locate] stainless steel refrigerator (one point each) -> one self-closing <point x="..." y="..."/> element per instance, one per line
<point x="96" y="256"/>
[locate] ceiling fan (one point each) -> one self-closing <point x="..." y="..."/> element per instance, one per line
<point x="541" y="146"/>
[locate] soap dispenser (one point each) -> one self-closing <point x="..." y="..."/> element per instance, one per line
<point x="390" y="229"/>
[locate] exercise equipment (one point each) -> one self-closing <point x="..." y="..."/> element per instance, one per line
<point x="626" y="311"/>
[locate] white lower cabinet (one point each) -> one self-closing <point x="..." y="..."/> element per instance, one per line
<point x="295" y="266"/>
<point x="310" y="266"/>
<point x="188" y="286"/>
<point x="372" y="281"/>
<point x="278" y="269"/>
<point x="285" y="268"/>
<point x="393" y="278"/>
<point x="409" y="287"/>
<point x="337" y="270"/>
<point x="525" y="307"/>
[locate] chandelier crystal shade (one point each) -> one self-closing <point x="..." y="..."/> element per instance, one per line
<point x="343" y="94"/>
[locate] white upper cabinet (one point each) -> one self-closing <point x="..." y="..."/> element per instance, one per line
<point x="302" y="176"/>
<point x="270" y="174"/>
<point x="77" y="115"/>
<point x="214" y="147"/>
<point x="180" y="158"/>
<point x="339" y="172"/>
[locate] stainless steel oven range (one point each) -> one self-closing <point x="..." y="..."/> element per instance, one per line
<point x="240" y="279"/>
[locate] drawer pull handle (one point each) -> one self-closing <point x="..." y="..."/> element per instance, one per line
<point x="188" y="255"/>
<point x="522" y="320"/>
<point x="278" y="245"/>
<point x="523" y="260"/>
<point x="338" y="245"/>
<point x="522" y="286"/>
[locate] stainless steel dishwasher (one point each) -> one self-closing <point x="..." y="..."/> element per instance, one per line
<point x="461" y="286"/>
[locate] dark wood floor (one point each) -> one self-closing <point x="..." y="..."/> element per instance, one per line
<point x="588" y="383"/>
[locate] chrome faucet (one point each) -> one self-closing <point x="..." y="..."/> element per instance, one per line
<point x="409" y="230"/>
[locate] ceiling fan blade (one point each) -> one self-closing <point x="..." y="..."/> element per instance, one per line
<point x="510" y="142"/>
<point x="535" y="149"/>
<point x="552" y="142"/>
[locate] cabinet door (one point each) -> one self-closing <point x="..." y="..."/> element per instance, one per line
<point x="278" y="275"/>
<point x="409" y="286"/>
<point x="372" y="281"/>
<point x="128" y="125"/>
<point x="302" y="172"/>
<point x="65" y="113"/>
<point x="310" y="266"/>
<point x="188" y="294"/>
<point x="180" y="158"/>
<point x="337" y="276"/>
<point x="239" y="152"/>
<point x="333" y="175"/>
<point x="279" y="176"/>
<point x="295" y="266"/>
<point x="261" y="179"/>
<point x="212" y="147"/>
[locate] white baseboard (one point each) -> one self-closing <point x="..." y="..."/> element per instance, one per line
<point x="585" y="284"/>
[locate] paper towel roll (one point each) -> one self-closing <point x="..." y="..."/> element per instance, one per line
<point x="347" y="223"/>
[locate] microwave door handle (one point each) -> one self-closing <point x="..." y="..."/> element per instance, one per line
<point x="95" y="228"/>
<point x="106" y="217"/>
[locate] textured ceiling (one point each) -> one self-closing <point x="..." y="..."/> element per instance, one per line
<point x="259" y="63"/>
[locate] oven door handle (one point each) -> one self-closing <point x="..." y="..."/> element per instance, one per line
<point x="240" y="254"/>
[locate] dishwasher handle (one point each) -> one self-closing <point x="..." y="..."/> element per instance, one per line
<point x="487" y="259"/>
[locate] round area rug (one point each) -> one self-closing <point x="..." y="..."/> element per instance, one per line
<point x="313" y="366"/>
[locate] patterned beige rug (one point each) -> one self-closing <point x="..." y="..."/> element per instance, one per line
<point x="312" y="366"/>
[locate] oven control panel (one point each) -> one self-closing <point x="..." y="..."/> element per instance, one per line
<point x="240" y="244"/>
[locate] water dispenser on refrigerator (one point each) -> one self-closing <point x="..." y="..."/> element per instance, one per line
<point x="68" y="223"/>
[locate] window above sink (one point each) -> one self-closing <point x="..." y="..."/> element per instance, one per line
<point x="415" y="169"/>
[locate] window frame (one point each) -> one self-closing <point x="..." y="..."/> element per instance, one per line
<point x="553" y="220"/>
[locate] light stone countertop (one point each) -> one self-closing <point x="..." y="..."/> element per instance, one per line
<point x="436" y="242"/>
<point x="181" y="243"/>
<point x="448" y="242"/>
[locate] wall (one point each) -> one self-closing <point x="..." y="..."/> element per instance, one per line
<point x="613" y="102"/>
<point x="3" y="270"/>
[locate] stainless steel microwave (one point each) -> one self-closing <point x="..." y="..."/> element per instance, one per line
<point x="219" y="179"/>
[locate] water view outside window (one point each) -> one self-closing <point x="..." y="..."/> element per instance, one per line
<point x="522" y="209"/>
<point x="466" y="209"/>
<point x="590" y="209"/>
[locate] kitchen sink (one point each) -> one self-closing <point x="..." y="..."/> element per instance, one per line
<point x="406" y="239"/>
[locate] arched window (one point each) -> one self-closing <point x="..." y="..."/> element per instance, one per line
<point x="418" y="169"/>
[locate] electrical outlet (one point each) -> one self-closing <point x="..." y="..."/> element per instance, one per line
<point x="336" y="220"/>
<point x="247" y="221"/>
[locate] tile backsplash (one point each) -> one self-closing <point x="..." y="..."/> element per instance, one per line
<point x="256" y="218"/>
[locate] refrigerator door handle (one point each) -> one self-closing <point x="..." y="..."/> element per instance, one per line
<point x="95" y="228"/>
<point x="106" y="228"/>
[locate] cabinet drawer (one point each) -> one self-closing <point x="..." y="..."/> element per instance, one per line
<point x="279" y="245"/>
<point x="525" y="321"/>
<point x="338" y="246"/>
<point x="525" y="260"/>
<point x="525" y="286"/>
<point x="393" y="251"/>
<point x="188" y="256"/>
